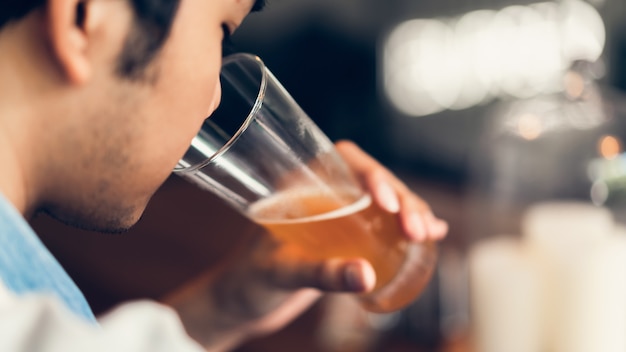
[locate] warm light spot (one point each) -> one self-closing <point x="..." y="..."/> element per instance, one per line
<point x="609" y="147"/>
<point x="574" y="85"/>
<point x="530" y="126"/>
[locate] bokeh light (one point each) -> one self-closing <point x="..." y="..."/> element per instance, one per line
<point x="609" y="147"/>
<point x="430" y="65"/>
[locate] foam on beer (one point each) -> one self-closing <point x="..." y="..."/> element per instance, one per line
<point x="284" y="208"/>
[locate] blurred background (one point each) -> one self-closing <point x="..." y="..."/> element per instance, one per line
<point x="488" y="109"/>
<point x="507" y="116"/>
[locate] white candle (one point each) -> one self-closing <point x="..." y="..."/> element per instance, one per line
<point x="564" y="228"/>
<point x="600" y="322"/>
<point x="505" y="297"/>
<point x="561" y="238"/>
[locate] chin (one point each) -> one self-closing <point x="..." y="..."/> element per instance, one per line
<point x="100" y="219"/>
<point x="116" y="224"/>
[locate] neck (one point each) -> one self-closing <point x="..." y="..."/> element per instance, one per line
<point x="19" y="130"/>
<point x="15" y="155"/>
<point x="12" y="180"/>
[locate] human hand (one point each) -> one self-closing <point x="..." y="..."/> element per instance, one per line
<point x="393" y="195"/>
<point x="265" y="285"/>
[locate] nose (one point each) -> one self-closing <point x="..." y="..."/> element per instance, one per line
<point x="217" y="98"/>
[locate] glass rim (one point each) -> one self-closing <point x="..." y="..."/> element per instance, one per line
<point x="258" y="102"/>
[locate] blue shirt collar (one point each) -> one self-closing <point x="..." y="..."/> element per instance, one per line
<point x="27" y="266"/>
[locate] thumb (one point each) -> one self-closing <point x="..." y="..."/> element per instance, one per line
<point x="334" y="275"/>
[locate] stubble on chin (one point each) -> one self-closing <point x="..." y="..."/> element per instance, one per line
<point x="99" y="215"/>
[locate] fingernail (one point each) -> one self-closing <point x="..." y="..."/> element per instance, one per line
<point x="353" y="278"/>
<point x="416" y="227"/>
<point x="430" y="223"/>
<point x="369" y="277"/>
<point x="441" y="229"/>
<point x="359" y="278"/>
<point x="387" y="198"/>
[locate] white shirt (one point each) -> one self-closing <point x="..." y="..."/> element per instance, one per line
<point x="41" y="323"/>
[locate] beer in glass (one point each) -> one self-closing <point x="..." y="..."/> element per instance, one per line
<point x="277" y="168"/>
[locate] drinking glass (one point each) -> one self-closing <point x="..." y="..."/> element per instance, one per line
<point x="264" y="156"/>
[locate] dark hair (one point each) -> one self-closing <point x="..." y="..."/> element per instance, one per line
<point x="153" y="21"/>
<point x="16" y="9"/>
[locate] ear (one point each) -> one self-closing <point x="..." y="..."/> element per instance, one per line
<point x="68" y="37"/>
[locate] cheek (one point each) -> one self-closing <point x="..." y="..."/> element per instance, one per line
<point x="187" y="85"/>
<point x="199" y="92"/>
<point x="207" y="94"/>
<point x="187" y="103"/>
<point x="177" y="113"/>
<point x="202" y="99"/>
<point x="190" y="65"/>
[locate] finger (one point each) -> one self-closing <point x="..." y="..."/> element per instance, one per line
<point x="419" y="223"/>
<point x="333" y="275"/>
<point x="381" y="183"/>
<point x="389" y="192"/>
<point x="413" y="218"/>
<point x="358" y="160"/>
<point x="383" y="192"/>
<point x="439" y="229"/>
<point x="289" y="310"/>
<point x="418" y="220"/>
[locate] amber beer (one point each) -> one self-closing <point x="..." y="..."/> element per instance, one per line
<point x="319" y="223"/>
<point x="308" y="196"/>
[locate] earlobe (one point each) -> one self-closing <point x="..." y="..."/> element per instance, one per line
<point x="68" y="38"/>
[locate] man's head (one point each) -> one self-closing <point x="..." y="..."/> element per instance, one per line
<point x="100" y="98"/>
<point x="151" y="25"/>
